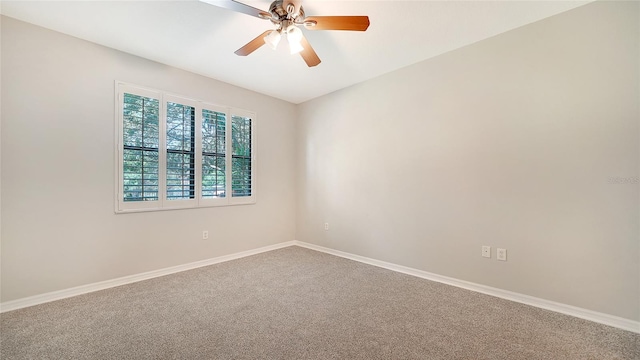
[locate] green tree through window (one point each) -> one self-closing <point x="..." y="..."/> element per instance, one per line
<point x="140" y="150"/>
<point x="181" y="147"/>
<point x="213" y="154"/>
<point x="241" y="158"/>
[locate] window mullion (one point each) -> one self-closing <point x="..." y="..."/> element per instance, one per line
<point x="119" y="146"/>
<point x="162" y="152"/>
<point x="228" y="157"/>
<point x="198" y="154"/>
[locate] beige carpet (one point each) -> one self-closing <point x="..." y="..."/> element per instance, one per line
<point x="296" y="303"/>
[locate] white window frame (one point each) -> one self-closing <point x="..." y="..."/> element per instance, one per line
<point x="163" y="203"/>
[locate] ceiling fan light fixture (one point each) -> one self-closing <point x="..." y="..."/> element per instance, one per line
<point x="294" y="37"/>
<point x="272" y="39"/>
<point x="287" y="15"/>
<point x="295" y="48"/>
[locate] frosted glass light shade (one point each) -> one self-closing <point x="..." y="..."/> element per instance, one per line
<point x="294" y="36"/>
<point x="272" y="39"/>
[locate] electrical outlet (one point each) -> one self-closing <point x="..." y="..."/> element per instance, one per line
<point x="501" y="254"/>
<point x="486" y="251"/>
<point x="205" y="235"/>
<point x="326" y="226"/>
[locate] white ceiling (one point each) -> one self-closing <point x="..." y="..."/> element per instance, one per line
<point x="201" y="38"/>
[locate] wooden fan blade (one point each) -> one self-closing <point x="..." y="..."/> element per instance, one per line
<point x="354" y="23"/>
<point x="240" y="7"/>
<point x="308" y="54"/>
<point x="252" y="45"/>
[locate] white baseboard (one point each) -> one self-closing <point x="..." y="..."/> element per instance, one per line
<point x="83" y="289"/>
<point x="618" y="322"/>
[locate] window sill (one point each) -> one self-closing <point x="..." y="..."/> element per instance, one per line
<point x="118" y="210"/>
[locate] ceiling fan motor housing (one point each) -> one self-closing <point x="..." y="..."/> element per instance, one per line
<point x="279" y="12"/>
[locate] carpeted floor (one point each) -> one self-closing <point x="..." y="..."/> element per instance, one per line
<point x="296" y="303"/>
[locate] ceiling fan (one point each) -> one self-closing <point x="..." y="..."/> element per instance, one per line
<point x="287" y="16"/>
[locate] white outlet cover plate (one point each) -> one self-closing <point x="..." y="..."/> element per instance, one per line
<point x="502" y="254"/>
<point x="486" y="251"/>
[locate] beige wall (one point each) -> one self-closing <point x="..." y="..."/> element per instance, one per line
<point x="59" y="229"/>
<point x="508" y="142"/>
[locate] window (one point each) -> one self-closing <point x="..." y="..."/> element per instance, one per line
<point x="173" y="152"/>
<point x="241" y="158"/>
<point x="181" y="151"/>
<point x="140" y="148"/>
<point x="214" y="150"/>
